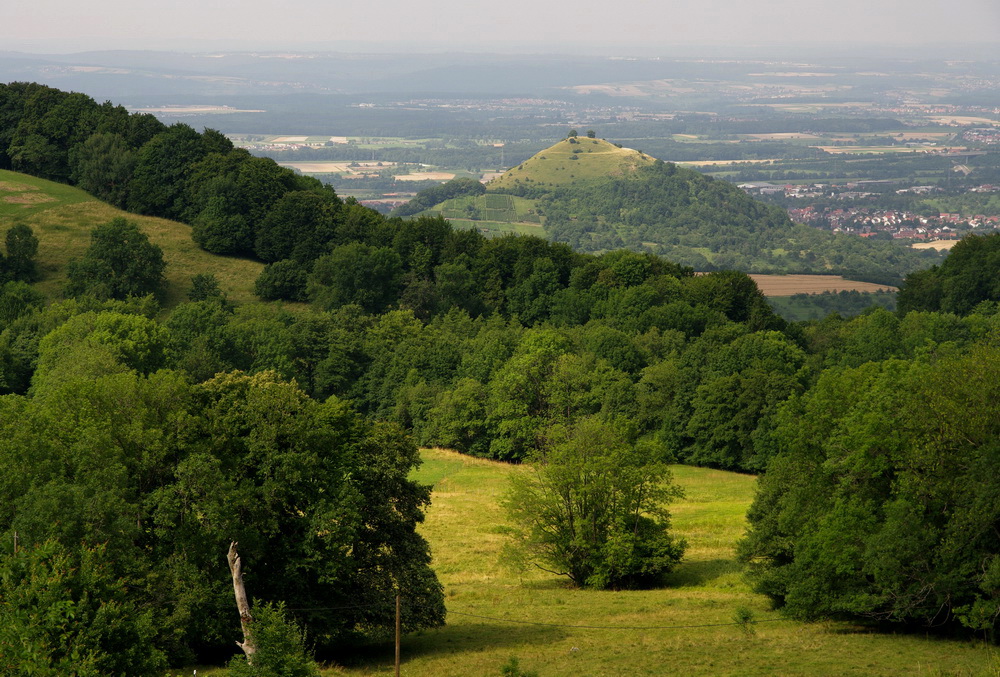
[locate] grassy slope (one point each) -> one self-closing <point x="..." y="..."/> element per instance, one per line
<point x="62" y="218"/>
<point x="465" y="528"/>
<point x="553" y="167"/>
<point x="597" y="160"/>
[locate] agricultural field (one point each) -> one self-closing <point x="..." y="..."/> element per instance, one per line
<point x="941" y="245"/>
<point x="62" y="217"/>
<point x="788" y="285"/>
<point x="497" y="612"/>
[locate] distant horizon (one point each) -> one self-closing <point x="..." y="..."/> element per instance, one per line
<point x="987" y="50"/>
<point x="631" y="27"/>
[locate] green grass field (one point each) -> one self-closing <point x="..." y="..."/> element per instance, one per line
<point x="62" y="217"/>
<point x="684" y="628"/>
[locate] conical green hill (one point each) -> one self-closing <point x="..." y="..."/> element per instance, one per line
<point x="555" y="166"/>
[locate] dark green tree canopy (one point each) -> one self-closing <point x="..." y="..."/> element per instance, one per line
<point x="120" y="262"/>
<point x="969" y="276"/>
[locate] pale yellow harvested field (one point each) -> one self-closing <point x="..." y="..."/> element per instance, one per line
<point x="793" y="74"/>
<point x="290" y="139"/>
<point x="788" y="285"/>
<point x="915" y="136"/>
<point x="803" y="106"/>
<point x="784" y="135"/>
<point x="338" y="139"/>
<point x="711" y="163"/>
<point x="611" y="90"/>
<point x="426" y="176"/>
<point x="962" y="120"/>
<point x="335" y="167"/>
<point x="877" y="149"/>
<point x="941" y="245"/>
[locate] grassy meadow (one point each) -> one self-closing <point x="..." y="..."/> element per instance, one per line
<point x="62" y="217"/>
<point x="686" y="627"/>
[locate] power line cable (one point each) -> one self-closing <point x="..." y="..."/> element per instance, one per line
<point x="553" y="625"/>
<point x="614" y="627"/>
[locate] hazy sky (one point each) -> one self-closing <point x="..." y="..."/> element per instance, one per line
<point x="534" y="25"/>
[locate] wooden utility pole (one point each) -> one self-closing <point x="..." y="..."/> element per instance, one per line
<point x="398" y="633"/>
<point x="236" y="567"/>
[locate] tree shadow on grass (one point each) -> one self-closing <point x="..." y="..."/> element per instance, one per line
<point x="454" y="638"/>
<point x="699" y="573"/>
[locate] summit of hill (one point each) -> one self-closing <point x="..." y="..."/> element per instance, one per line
<point x="572" y="161"/>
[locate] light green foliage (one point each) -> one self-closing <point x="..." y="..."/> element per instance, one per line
<point x="131" y="341"/>
<point x="593" y="509"/>
<point x="512" y="668"/>
<point x="280" y="644"/>
<point x="66" y="614"/>
<point x="517" y="404"/>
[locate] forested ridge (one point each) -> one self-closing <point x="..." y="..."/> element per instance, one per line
<point x="138" y="442"/>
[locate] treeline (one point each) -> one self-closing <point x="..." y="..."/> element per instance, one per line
<point x="878" y="500"/>
<point x="134" y="162"/>
<point x="846" y="303"/>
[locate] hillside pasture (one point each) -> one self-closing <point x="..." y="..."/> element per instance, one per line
<point x="62" y="218"/>
<point x="426" y="176"/>
<point x="686" y="627"/>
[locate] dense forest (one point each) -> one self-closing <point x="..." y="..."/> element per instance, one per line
<point x="139" y="441"/>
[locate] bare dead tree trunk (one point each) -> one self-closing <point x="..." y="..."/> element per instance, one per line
<point x="236" y="567"/>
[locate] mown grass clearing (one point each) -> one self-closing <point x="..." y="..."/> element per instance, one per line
<point x="63" y="216"/>
<point x="495" y="613"/>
